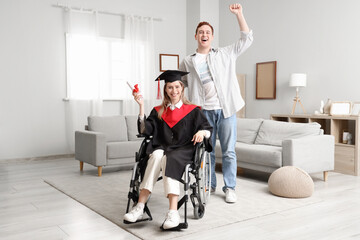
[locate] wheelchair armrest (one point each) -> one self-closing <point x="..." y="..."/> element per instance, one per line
<point x="142" y="135"/>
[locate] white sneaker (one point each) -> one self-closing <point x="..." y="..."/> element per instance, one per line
<point x="135" y="214"/>
<point x="230" y="196"/>
<point x="172" y="219"/>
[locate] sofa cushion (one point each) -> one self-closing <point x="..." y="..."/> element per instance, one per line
<point x="274" y="132"/>
<point x="264" y="155"/>
<point x="122" y="149"/>
<point x="247" y="129"/>
<point x="132" y="131"/>
<point x="114" y="127"/>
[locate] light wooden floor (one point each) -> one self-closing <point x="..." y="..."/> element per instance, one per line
<point x="31" y="209"/>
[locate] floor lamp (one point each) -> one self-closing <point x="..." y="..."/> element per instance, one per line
<point x="297" y="80"/>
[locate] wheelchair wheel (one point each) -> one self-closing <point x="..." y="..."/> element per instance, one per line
<point x="199" y="211"/>
<point x="204" y="182"/>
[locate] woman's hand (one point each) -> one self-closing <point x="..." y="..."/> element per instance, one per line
<point x="198" y="137"/>
<point x="235" y="8"/>
<point x="138" y="98"/>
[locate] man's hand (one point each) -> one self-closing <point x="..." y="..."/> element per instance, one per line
<point x="235" y="8"/>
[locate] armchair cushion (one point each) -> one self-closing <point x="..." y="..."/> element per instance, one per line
<point x="122" y="149"/>
<point x="114" y="127"/>
<point x="131" y="123"/>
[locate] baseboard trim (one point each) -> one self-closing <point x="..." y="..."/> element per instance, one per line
<point x="41" y="158"/>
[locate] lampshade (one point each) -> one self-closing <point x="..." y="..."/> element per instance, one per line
<point x="297" y="80"/>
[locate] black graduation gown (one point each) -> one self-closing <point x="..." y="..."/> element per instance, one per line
<point x="173" y="133"/>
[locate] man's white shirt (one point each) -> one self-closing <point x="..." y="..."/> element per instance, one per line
<point x="211" y="97"/>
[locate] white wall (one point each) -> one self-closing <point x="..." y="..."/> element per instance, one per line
<point x="32" y="67"/>
<point x="209" y="12"/>
<point x="192" y="19"/>
<point x="320" y="38"/>
<point x="201" y="11"/>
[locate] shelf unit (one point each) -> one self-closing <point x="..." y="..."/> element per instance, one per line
<point x="346" y="155"/>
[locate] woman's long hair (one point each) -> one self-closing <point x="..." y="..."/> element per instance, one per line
<point x="166" y="99"/>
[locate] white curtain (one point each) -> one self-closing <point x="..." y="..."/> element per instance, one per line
<point x="139" y="38"/>
<point x="82" y="71"/>
<point x="85" y="85"/>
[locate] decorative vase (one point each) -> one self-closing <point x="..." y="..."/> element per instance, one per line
<point x="321" y="106"/>
<point x="327" y="106"/>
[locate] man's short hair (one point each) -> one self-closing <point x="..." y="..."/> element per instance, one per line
<point x="202" y="24"/>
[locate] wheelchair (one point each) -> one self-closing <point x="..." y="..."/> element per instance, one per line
<point x="199" y="188"/>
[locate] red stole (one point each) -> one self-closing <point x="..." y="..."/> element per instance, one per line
<point x="172" y="117"/>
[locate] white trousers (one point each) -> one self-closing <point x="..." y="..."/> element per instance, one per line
<point x="157" y="163"/>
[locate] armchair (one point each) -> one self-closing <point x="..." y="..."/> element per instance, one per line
<point x="108" y="140"/>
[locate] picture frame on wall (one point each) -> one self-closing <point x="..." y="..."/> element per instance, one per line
<point x="266" y="80"/>
<point x="340" y="108"/>
<point x="169" y="62"/>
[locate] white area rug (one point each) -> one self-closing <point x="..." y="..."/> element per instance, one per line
<point x="107" y="195"/>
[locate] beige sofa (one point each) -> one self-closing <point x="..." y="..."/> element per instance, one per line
<point x="109" y="140"/>
<point x="266" y="145"/>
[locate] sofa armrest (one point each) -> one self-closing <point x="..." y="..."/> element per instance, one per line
<point x="90" y="147"/>
<point x="312" y="153"/>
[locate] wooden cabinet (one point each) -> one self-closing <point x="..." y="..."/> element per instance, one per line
<point x="346" y="155"/>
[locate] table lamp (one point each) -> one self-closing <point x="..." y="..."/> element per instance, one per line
<point x="297" y="80"/>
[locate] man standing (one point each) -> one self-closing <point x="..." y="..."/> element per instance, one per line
<point x="212" y="84"/>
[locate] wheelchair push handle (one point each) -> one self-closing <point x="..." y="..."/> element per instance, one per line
<point x="206" y="144"/>
<point x="199" y="145"/>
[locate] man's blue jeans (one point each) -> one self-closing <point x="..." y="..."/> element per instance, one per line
<point x="225" y="128"/>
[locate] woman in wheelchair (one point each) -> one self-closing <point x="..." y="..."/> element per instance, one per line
<point x="175" y="126"/>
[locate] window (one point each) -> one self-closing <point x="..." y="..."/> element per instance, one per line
<point x="98" y="67"/>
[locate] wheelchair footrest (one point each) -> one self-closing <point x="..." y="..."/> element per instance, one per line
<point x="177" y="228"/>
<point x="140" y="220"/>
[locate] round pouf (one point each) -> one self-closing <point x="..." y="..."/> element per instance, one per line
<point x="291" y="182"/>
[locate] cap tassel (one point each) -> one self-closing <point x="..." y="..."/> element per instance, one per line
<point x="158" y="90"/>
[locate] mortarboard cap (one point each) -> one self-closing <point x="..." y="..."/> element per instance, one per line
<point x="171" y="76"/>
